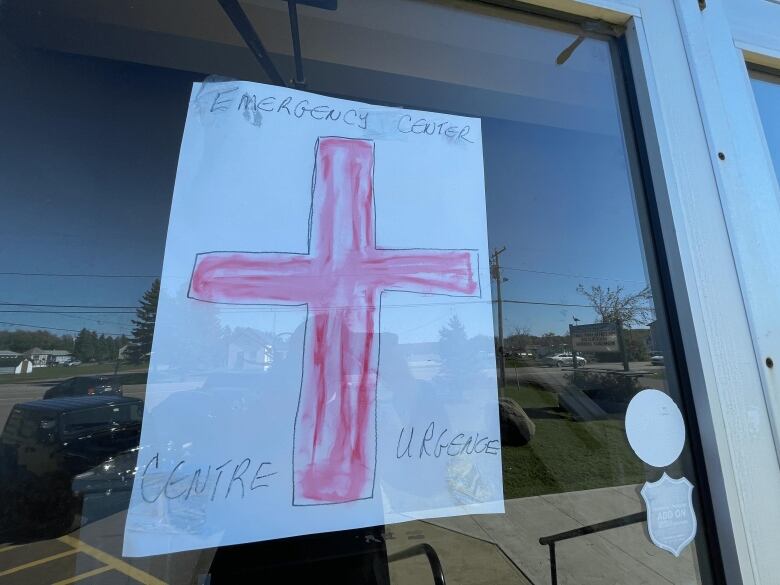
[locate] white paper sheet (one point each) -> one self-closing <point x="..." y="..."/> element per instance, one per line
<point x="323" y="353"/>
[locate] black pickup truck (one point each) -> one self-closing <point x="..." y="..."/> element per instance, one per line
<point x="85" y="386"/>
<point x="46" y="443"/>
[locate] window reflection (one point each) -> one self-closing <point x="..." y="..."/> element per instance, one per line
<point x="766" y="88"/>
<point x="572" y="258"/>
<point x="89" y="185"/>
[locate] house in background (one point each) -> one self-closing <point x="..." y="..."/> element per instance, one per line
<point x="656" y="340"/>
<point x="9" y="360"/>
<point x="641" y="336"/>
<point x="38" y="357"/>
<point x="42" y="358"/>
<point x="24" y="367"/>
<point x="249" y="349"/>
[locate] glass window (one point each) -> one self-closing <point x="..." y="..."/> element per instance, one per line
<point x="766" y="88"/>
<point x="19" y="426"/>
<point x="93" y="110"/>
<point x="106" y="418"/>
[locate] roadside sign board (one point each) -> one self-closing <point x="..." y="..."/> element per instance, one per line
<point x="599" y="337"/>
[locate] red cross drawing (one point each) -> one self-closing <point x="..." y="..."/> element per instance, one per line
<point x="340" y="280"/>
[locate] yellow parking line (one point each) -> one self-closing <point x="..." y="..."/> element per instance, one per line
<point x="37" y="562"/>
<point x="9" y="547"/>
<point x="86" y="575"/>
<point x="111" y="561"/>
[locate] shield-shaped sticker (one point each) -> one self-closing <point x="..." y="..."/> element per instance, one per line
<point x="671" y="520"/>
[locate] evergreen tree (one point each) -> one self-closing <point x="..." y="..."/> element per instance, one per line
<point x="22" y="340"/>
<point x="119" y="343"/>
<point x="140" y="345"/>
<point x="112" y="347"/>
<point x="458" y="366"/>
<point x="85" y="346"/>
<point x="103" y="348"/>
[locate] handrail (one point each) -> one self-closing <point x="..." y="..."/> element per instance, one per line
<point x="582" y="531"/>
<point x="428" y="551"/>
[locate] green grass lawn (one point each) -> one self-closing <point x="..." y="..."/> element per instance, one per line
<point x="566" y="455"/>
<point x="57" y="372"/>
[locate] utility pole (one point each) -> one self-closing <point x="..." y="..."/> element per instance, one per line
<point x="571" y="340"/>
<point x="495" y="273"/>
<point x="622" y="342"/>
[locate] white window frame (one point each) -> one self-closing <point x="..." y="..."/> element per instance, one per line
<point x="719" y="209"/>
<point x="754" y="28"/>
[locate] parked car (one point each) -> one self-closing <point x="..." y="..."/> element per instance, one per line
<point x="105" y="489"/>
<point x="45" y="444"/>
<point x="562" y="359"/>
<point x="85" y="386"/>
<point x="72" y="363"/>
<point x="657" y="360"/>
<point x="70" y="434"/>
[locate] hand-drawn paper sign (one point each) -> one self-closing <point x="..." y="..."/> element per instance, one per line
<point x="301" y="378"/>
<point x="340" y="279"/>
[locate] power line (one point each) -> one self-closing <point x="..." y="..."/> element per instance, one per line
<point x="68" y="312"/>
<point x="272" y="308"/>
<point x="549" y="304"/>
<point x="50" y="328"/>
<point x="126" y="326"/>
<point x="74" y="315"/>
<point x="549" y="273"/>
<point x="97" y="275"/>
<point x="79" y="275"/>
<point x="8" y="304"/>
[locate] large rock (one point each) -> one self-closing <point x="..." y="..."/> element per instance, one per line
<point x="517" y="428"/>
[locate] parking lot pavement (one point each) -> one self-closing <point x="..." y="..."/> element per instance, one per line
<point x="66" y="560"/>
<point x="13" y="393"/>
<point x="93" y="555"/>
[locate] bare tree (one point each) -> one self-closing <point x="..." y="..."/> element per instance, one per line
<point x="519" y="339"/>
<point x="615" y="305"/>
